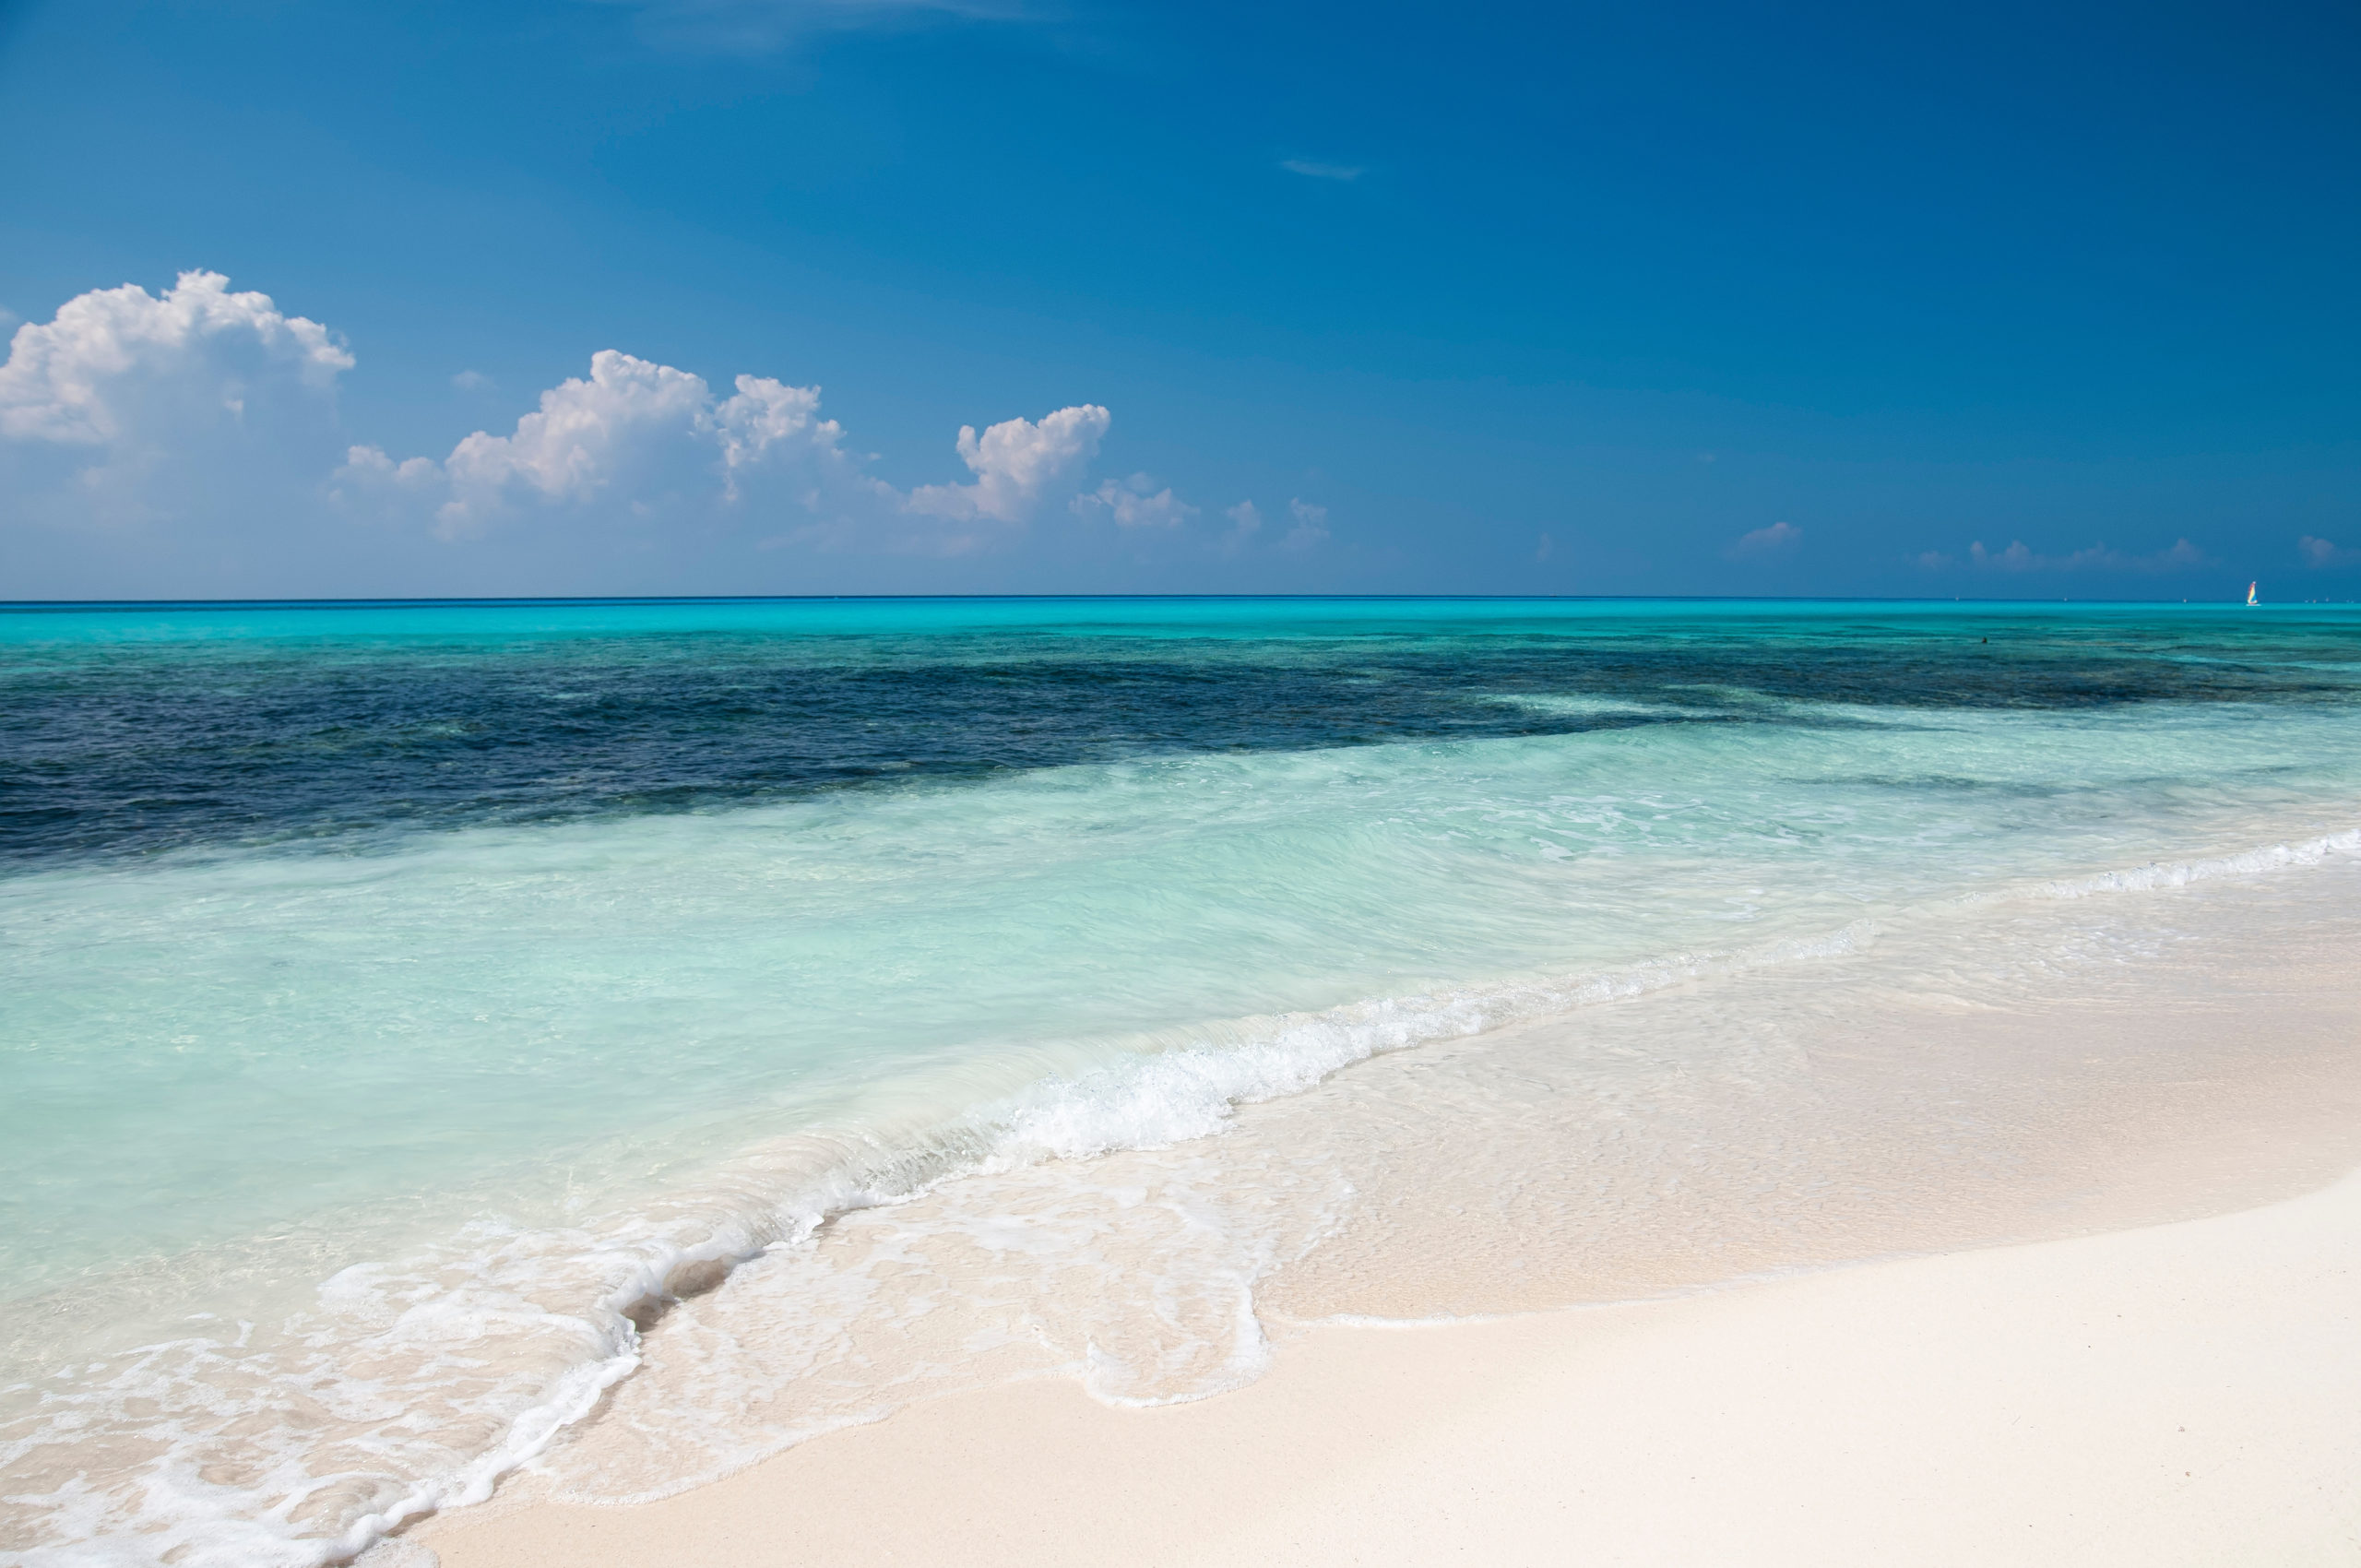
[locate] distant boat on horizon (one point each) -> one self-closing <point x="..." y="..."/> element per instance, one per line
<point x="2250" y="588"/>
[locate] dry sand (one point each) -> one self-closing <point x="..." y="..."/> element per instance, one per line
<point x="2183" y="1394"/>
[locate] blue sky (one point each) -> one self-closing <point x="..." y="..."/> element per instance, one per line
<point x="1996" y="301"/>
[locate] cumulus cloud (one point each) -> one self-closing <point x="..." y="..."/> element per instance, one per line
<point x="116" y="364"/>
<point x="1315" y="171"/>
<point x="643" y="436"/>
<point x="1015" y="462"/>
<point x="206" y="419"/>
<point x="1310" y="526"/>
<point x="1777" y="538"/>
<point x="637" y="442"/>
<point x="2097" y="557"/>
<point x="2318" y="551"/>
<point x="130" y="407"/>
<point x="1136" y="503"/>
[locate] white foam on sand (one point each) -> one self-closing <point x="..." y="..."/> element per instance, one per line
<point x="1100" y="1236"/>
<point x="1814" y="1114"/>
<point x="2187" y="1393"/>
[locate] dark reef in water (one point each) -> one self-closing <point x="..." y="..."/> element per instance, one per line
<point x="129" y="747"/>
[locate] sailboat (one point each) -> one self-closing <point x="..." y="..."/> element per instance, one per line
<point x="2250" y="588"/>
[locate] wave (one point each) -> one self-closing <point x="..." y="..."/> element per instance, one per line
<point x="2182" y="874"/>
<point x="466" y="1320"/>
<point x="465" y="1317"/>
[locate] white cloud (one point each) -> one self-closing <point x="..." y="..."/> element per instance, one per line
<point x="117" y="363"/>
<point x="2318" y="551"/>
<point x="1136" y="503"/>
<point x="189" y="443"/>
<point x="1310" y="526"/>
<point x="2097" y="557"/>
<point x="1015" y="462"/>
<point x="1777" y="538"/>
<point x="638" y="443"/>
<point x="472" y="381"/>
<point x="130" y="407"/>
<point x="635" y="437"/>
<point x="1315" y="171"/>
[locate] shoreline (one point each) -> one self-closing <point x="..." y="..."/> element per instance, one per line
<point x="2084" y="1064"/>
<point x="2184" y="1393"/>
<point x="1956" y="1368"/>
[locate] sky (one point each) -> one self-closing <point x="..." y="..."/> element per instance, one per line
<point x="867" y="296"/>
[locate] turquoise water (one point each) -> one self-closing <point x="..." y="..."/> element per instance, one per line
<point x="569" y="945"/>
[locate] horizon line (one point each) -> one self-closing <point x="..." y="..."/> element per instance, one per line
<point x="486" y="601"/>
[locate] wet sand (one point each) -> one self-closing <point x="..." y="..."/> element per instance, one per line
<point x="2185" y="1393"/>
<point x="2119" y="1340"/>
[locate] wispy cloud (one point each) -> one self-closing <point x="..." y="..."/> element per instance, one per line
<point x="2318" y="551"/>
<point x="1135" y="504"/>
<point x="1316" y="171"/>
<point x="2017" y="557"/>
<point x="1310" y="526"/>
<point x="1775" y="540"/>
<point x="761" y="27"/>
<point x="1246" y="521"/>
<point x="472" y="381"/>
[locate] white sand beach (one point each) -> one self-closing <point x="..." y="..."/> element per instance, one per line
<point x="2125" y="1392"/>
<point x="2181" y="1393"/>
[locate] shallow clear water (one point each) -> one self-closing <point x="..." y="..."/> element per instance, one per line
<point x="384" y="970"/>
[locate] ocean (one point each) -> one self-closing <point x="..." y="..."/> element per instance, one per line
<point x="613" y="1040"/>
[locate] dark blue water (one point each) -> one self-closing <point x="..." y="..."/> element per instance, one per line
<point x="130" y="731"/>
